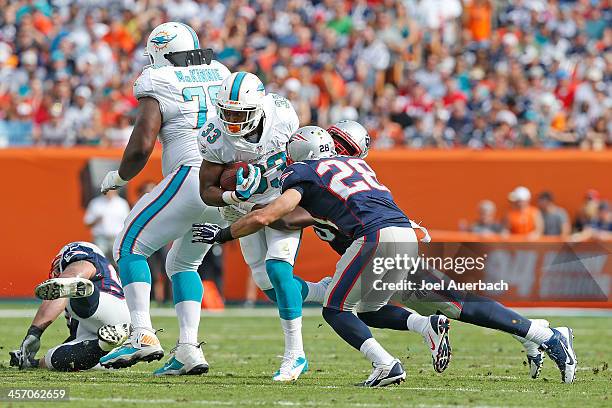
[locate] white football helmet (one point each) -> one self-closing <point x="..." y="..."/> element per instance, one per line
<point x="350" y="138"/>
<point x="167" y="38"/>
<point x="240" y="103"/>
<point x="310" y="143"/>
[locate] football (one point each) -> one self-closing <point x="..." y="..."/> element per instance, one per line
<point x="228" y="177"/>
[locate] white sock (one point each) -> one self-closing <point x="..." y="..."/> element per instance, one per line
<point x="538" y="334"/>
<point x="137" y="297"/>
<point x="316" y="292"/>
<point x="188" y="313"/>
<point x="417" y="323"/>
<point x="375" y="352"/>
<point x="293" y="336"/>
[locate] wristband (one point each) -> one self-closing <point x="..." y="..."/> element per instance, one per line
<point x="224" y="235"/>
<point x="229" y="197"/>
<point x="35" y="331"/>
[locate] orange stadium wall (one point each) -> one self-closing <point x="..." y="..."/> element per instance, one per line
<point x="41" y="207"/>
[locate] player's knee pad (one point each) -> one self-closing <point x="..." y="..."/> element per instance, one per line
<point x="74" y="357"/>
<point x="260" y="277"/>
<point x="85" y="307"/>
<point x="187" y="285"/>
<point x="184" y="256"/>
<point x="282" y="245"/>
<point x="134" y="268"/>
<point x="289" y="297"/>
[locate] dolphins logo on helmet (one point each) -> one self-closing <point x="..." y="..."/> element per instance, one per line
<point x="161" y="40"/>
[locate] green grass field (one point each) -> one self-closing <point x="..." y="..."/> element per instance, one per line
<point x="487" y="369"/>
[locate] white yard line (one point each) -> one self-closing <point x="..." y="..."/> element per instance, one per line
<point x="314" y="311"/>
<point x="234" y="402"/>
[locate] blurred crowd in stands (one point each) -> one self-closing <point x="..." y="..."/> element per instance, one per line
<point x="592" y="221"/>
<point x="418" y="73"/>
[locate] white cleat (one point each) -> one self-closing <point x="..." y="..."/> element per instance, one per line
<point x="113" y="335"/>
<point x="185" y="359"/>
<point x="64" y="288"/>
<point x="142" y="345"/>
<point x="436" y="337"/>
<point x="385" y="374"/>
<point x="291" y="368"/>
<point x="317" y="291"/>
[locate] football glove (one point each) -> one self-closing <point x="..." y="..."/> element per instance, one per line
<point x="112" y="181"/>
<point x="246" y="187"/>
<point x="232" y="213"/>
<point x="29" y="346"/>
<point x="210" y="234"/>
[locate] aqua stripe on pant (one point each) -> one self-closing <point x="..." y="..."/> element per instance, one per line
<point x="151" y="210"/>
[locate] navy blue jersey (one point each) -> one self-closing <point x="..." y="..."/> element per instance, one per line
<point x="105" y="278"/>
<point x="343" y="192"/>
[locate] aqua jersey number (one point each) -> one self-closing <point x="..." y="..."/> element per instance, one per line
<point x="197" y="92"/>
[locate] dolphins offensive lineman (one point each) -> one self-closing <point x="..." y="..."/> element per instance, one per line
<point x="176" y="95"/>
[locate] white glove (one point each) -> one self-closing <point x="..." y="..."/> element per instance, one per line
<point x="232" y="213"/>
<point x="112" y="181"/>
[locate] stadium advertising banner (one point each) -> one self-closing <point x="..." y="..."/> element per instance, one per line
<point x="53" y="186"/>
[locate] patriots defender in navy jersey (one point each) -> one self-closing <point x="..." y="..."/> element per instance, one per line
<point x="344" y="192"/>
<point x="84" y="286"/>
<point x="351" y="139"/>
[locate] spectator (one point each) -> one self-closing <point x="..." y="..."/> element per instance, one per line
<point x="523" y="218"/>
<point x="486" y="223"/>
<point x="56" y="131"/>
<point x="478" y="19"/>
<point x="82" y="117"/>
<point x="119" y="135"/>
<point x="105" y="215"/>
<point x="602" y="224"/>
<point x="536" y="73"/>
<point x="556" y="221"/>
<point x="599" y="227"/>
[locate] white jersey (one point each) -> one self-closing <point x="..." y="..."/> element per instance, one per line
<point x="280" y="121"/>
<point x="186" y="97"/>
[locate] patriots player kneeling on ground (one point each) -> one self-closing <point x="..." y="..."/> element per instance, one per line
<point x="344" y="191"/>
<point x="84" y="285"/>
